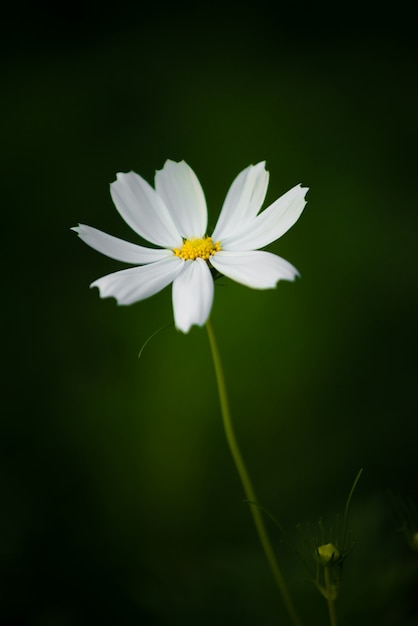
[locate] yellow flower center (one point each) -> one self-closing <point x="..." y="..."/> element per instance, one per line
<point x="197" y="249"/>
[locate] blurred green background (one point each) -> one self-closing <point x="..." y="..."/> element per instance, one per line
<point x="120" y="503"/>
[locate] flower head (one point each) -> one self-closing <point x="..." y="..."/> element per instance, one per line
<point x="173" y="216"/>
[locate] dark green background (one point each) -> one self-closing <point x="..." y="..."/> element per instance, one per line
<point x="119" y="500"/>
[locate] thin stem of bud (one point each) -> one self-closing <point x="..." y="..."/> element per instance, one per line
<point x="330" y="595"/>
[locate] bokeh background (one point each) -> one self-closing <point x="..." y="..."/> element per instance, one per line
<point x="119" y="500"/>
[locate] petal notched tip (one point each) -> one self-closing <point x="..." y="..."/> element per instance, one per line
<point x="171" y="162"/>
<point x="302" y="188"/>
<point x="103" y="293"/>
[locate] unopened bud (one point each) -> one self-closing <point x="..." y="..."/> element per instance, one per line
<point x="328" y="553"/>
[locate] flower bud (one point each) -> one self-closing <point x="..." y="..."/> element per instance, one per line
<point x="328" y="554"/>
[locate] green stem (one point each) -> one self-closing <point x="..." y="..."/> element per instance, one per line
<point x="330" y="597"/>
<point x="245" y="479"/>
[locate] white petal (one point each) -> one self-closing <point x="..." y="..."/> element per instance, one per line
<point x="243" y="200"/>
<point x="138" y="283"/>
<point x="144" y="211"/>
<point x="271" y="224"/>
<point x="118" y="248"/>
<point x="192" y="295"/>
<point x="181" y="192"/>
<point x="256" y="269"/>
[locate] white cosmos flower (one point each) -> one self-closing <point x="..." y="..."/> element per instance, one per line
<point x="174" y="217"/>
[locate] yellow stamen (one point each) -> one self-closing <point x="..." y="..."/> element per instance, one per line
<point x="197" y="249"/>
